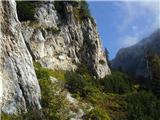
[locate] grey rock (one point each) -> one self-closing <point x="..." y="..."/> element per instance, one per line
<point x="19" y="87"/>
<point x="64" y="43"/>
<point x="55" y="42"/>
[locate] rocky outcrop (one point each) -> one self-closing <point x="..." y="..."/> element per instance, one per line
<point x="56" y="37"/>
<point x="19" y="87"/>
<point x="133" y="60"/>
<point x="61" y="39"/>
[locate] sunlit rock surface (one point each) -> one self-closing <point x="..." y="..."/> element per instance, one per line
<point x="64" y="42"/>
<point x="56" y="41"/>
<point x="18" y="83"/>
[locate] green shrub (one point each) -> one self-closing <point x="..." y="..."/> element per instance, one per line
<point x="116" y="106"/>
<point x="81" y="84"/>
<point x="117" y="82"/>
<point x="45" y="73"/>
<point x="34" y="24"/>
<point x="80" y="9"/>
<point x="5" y="116"/>
<point x="61" y="9"/>
<point x="26" y="10"/>
<point x="105" y="95"/>
<point x="55" y="106"/>
<point x="143" y="106"/>
<point x="58" y="74"/>
<point x="30" y="115"/>
<point x="42" y="73"/>
<point x="81" y="14"/>
<point x="84" y="71"/>
<point x="154" y="68"/>
<point x="53" y="30"/>
<point x="76" y="83"/>
<point x="85" y="8"/>
<point x="37" y="65"/>
<point x="97" y="114"/>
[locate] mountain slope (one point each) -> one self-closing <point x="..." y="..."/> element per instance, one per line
<point x="58" y="35"/>
<point x="133" y="59"/>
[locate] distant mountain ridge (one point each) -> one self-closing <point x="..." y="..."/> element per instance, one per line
<point x="133" y="59"/>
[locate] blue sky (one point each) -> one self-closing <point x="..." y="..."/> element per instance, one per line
<point x="122" y="24"/>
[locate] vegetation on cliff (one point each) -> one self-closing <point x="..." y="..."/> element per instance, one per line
<point x="154" y="68"/>
<point x="80" y="9"/>
<point x="26" y="10"/>
<point x="113" y="98"/>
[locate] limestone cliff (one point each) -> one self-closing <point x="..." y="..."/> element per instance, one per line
<point x="18" y="83"/>
<point x="59" y="37"/>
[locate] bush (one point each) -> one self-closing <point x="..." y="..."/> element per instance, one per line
<point x="42" y="73"/>
<point x="84" y="9"/>
<point x="30" y="115"/>
<point x="55" y="106"/>
<point x="45" y="73"/>
<point x="82" y="84"/>
<point x="117" y="82"/>
<point x="26" y="10"/>
<point x="5" y="116"/>
<point x="61" y="9"/>
<point x="81" y="13"/>
<point x="143" y="106"/>
<point x="116" y="106"/>
<point x="154" y="67"/>
<point x="53" y="30"/>
<point x="96" y="114"/>
<point x="54" y="103"/>
<point x="80" y="8"/>
<point x="76" y="83"/>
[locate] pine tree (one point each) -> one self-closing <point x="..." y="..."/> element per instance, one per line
<point x="154" y="64"/>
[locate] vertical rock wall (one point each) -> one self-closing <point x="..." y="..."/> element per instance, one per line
<point x="60" y="39"/>
<point x="57" y="41"/>
<point x="18" y="81"/>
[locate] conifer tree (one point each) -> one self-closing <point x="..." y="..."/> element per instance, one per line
<point x="154" y="64"/>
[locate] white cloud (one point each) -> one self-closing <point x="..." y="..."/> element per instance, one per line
<point x="128" y="41"/>
<point x="138" y="8"/>
<point x="132" y="12"/>
<point x="154" y="8"/>
<point x="134" y="27"/>
<point x="129" y="15"/>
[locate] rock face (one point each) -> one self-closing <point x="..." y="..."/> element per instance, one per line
<point x="56" y="39"/>
<point x="18" y="83"/>
<point x="133" y="59"/>
<point x="63" y="40"/>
